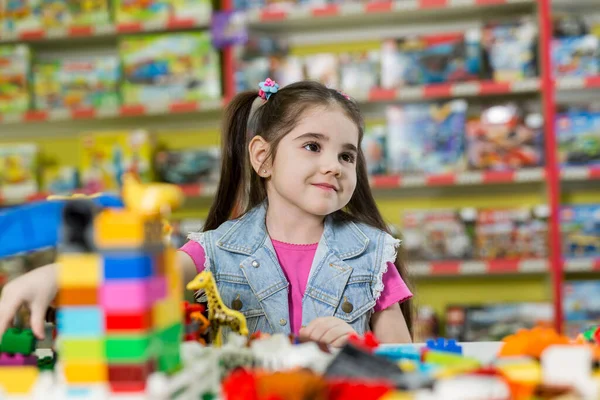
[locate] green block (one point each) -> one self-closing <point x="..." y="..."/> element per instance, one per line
<point x="450" y="360"/>
<point x="46" y="364"/>
<point x="128" y="348"/>
<point x="169" y="361"/>
<point x="17" y="341"/>
<point x="82" y="349"/>
<point x="172" y="334"/>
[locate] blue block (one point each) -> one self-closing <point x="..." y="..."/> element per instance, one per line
<point x="128" y="265"/>
<point x="441" y="344"/>
<point x="399" y="352"/>
<point x="80" y="321"/>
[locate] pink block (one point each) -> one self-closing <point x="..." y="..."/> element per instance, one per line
<point x="123" y="295"/>
<point x="17" y="359"/>
<point x="158" y="288"/>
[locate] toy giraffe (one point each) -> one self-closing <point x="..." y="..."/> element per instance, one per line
<point x="219" y="315"/>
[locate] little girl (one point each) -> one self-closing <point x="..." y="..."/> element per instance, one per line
<point x="294" y="238"/>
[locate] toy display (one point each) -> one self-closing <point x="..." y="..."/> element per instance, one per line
<point x="512" y="233"/>
<point x="85" y="83"/>
<point x="23" y="15"/>
<point x="359" y="70"/>
<point x="580" y="229"/>
<point x="581" y="305"/>
<point x="89" y="12"/>
<point x="323" y="68"/>
<point x="493" y="322"/>
<point x="374" y="148"/>
<point x="60" y="180"/>
<point x="451" y="57"/>
<point x="14" y="75"/>
<point x="182" y="228"/>
<point x="18" y="171"/>
<point x="127" y="11"/>
<point x="179" y="67"/>
<point x="442" y="234"/>
<point x="578" y="134"/>
<point x="426" y="138"/>
<point x="576" y="56"/>
<point x="188" y="166"/>
<point x="503" y="139"/>
<point x="106" y="157"/>
<point x="510" y="50"/>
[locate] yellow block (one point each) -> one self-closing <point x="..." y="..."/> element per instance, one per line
<point x="79" y="270"/>
<point x="397" y="396"/>
<point x="82" y="350"/>
<point x="85" y="372"/>
<point x="172" y="272"/>
<point x="17" y="380"/>
<point x="166" y="312"/>
<point x="119" y="228"/>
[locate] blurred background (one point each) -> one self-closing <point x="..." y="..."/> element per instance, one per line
<point x="482" y="140"/>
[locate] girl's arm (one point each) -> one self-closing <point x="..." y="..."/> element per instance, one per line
<point x="389" y="325"/>
<point x="186" y="267"/>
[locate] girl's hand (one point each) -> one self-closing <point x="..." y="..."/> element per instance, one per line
<point x="36" y="289"/>
<point x="328" y="330"/>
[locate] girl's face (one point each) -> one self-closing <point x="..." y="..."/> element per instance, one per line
<point x="314" y="169"/>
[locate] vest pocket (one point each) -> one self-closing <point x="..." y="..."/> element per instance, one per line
<point x="359" y="303"/>
<point x="234" y="292"/>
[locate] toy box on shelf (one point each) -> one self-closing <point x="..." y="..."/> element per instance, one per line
<point x="374" y="148"/>
<point x="509" y="50"/>
<point x="576" y="56"/>
<point x="443" y="234"/>
<point x="493" y="322"/>
<point x="426" y="138"/>
<point x="504" y="139"/>
<point x="360" y="71"/>
<point x="127" y="11"/>
<point x="89" y="12"/>
<point x="451" y="57"/>
<point x="578" y="134"/>
<point x="18" y="171"/>
<point x="581" y="305"/>
<point x="85" y="83"/>
<point x="512" y="233"/>
<point x="178" y="67"/>
<point x="106" y="157"/>
<point x="59" y="179"/>
<point x="14" y="78"/>
<point x="188" y="166"/>
<point x="324" y="68"/>
<point x="580" y="226"/>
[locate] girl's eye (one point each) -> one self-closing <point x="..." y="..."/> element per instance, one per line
<point x="312" y="147"/>
<point x="348" y="157"/>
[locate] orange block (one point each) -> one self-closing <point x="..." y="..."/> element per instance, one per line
<point x="120" y="228"/>
<point x="17" y="380"/>
<point x="82" y="296"/>
<point x="85" y="372"/>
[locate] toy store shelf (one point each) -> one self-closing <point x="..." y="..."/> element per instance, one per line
<point x="582" y="265"/>
<point x="198" y="190"/>
<point x="122" y="111"/>
<point x="308" y="16"/>
<point x="466" y="268"/>
<point x="465" y="178"/>
<point x="70" y="32"/>
<point x="580" y="173"/>
<point x="576" y="83"/>
<point x="448" y="90"/>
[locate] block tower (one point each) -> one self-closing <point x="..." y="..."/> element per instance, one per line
<point x="119" y="298"/>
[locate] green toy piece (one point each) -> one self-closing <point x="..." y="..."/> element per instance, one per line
<point x="17" y="341"/>
<point x="46" y="363"/>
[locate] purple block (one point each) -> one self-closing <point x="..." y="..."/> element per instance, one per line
<point x="17" y="359"/>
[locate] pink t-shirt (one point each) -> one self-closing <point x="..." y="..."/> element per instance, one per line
<point x="295" y="261"/>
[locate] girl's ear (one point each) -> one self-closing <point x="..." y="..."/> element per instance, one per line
<point x="259" y="150"/>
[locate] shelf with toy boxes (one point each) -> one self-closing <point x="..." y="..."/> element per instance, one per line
<point x="36" y="20"/>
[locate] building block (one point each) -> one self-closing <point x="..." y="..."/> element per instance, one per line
<point x="17" y="341"/>
<point x="128" y="321"/>
<point x="17" y="359"/>
<point x="163" y="313"/>
<point x="77" y="226"/>
<point x="80" y="321"/>
<point x="18" y="380"/>
<point x="172" y="334"/>
<point x="441" y="344"/>
<point x="126" y="295"/>
<point x="169" y="361"/>
<point x="174" y="278"/>
<point x="128" y="387"/>
<point x="123" y="229"/>
<point x="46" y="363"/>
<point x="128" y="265"/>
<point x="85" y="372"/>
<point x="158" y="288"/>
<point x="450" y="360"/>
<point x="160" y="263"/>
<point x="77" y="349"/>
<point x="131" y="372"/>
<point x="79" y="270"/>
<point x="78" y="296"/>
<point x="128" y="349"/>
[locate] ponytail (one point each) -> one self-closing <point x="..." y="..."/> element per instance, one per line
<point x="234" y="151"/>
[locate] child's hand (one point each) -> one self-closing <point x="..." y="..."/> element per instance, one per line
<point x="36" y="289"/>
<point x="328" y="330"/>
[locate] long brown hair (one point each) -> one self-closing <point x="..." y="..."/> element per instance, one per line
<point x="241" y="189"/>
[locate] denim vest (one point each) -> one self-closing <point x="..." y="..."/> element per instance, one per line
<point x="348" y="267"/>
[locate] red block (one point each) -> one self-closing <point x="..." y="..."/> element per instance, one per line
<point x="134" y="321"/>
<point x="129" y="377"/>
